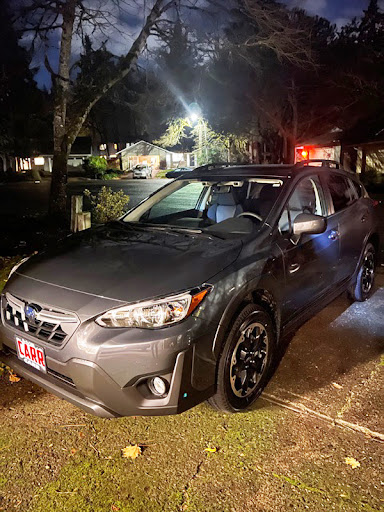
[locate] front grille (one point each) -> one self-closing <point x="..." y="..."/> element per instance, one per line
<point x="53" y="327"/>
<point x="61" y="377"/>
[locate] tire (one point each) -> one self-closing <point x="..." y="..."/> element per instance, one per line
<point x="236" y="390"/>
<point x="362" y="288"/>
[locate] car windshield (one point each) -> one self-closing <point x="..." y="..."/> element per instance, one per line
<point x="212" y="206"/>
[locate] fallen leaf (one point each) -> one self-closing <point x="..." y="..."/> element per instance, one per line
<point x="14" y="378"/>
<point x="336" y="385"/>
<point x="352" y="462"/>
<point x="210" y="450"/>
<point x="131" y="452"/>
<point x="73" y="451"/>
<point x="114" y="508"/>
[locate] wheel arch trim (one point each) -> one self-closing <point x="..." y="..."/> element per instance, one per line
<point x="251" y="293"/>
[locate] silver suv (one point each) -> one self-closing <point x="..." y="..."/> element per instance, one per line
<point x="188" y="296"/>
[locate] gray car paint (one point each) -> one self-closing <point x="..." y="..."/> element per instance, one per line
<point x="110" y="266"/>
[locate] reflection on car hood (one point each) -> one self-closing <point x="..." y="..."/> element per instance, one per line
<point x="129" y="264"/>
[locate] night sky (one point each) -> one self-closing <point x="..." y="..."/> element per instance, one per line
<point x="338" y="11"/>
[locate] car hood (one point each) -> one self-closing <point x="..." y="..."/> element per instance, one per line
<point x="128" y="264"/>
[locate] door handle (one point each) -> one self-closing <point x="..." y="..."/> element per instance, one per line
<point x="334" y="234"/>
<point x="294" y="268"/>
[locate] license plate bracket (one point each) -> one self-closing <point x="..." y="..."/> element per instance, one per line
<point x="31" y="354"/>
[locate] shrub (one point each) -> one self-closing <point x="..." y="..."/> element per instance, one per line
<point x="95" y="166"/>
<point x="107" y="205"/>
<point x="110" y="175"/>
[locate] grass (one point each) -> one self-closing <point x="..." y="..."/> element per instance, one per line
<point x="6" y="265"/>
<point x="162" y="173"/>
<point x="46" y="465"/>
<point x="54" y="457"/>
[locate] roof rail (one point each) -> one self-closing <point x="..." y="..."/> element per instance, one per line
<point x="324" y="163"/>
<point x="216" y="165"/>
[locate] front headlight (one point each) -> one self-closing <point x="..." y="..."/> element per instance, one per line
<point x="157" y="313"/>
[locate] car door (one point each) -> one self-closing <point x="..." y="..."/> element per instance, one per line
<point x="310" y="261"/>
<point x="351" y="215"/>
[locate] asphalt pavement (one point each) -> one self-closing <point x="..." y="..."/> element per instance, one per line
<point x="28" y="198"/>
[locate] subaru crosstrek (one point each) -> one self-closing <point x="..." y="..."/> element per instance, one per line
<point x="187" y="296"/>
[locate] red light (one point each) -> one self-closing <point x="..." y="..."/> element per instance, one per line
<point x="304" y="153"/>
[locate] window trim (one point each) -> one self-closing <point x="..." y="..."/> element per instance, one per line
<point x="296" y="184"/>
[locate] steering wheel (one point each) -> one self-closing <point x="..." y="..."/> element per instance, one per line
<point x="250" y="214"/>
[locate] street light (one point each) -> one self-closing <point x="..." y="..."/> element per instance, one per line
<point x="194" y="117"/>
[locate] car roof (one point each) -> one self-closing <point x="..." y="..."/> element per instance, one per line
<point x="213" y="171"/>
<point x="233" y="171"/>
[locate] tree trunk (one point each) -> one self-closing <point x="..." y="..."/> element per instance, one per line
<point x="292" y="98"/>
<point x="58" y="197"/>
<point x="285" y="148"/>
<point x="61" y="148"/>
<point x="67" y="124"/>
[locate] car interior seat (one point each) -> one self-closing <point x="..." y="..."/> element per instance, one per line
<point x="267" y="198"/>
<point x="225" y="206"/>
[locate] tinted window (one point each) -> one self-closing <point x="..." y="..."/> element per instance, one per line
<point x="342" y="191"/>
<point x="306" y="198"/>
<point x="357" y="187"/>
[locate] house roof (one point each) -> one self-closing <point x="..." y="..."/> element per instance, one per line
<point x="331" y="138"/>
<point x="134" y="147"/>
<point x="366" y="131"/>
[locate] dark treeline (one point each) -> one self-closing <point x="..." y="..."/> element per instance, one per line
<point x="332" y="80"/>
<point x="268" y="75"/>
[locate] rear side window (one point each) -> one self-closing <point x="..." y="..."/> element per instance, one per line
<point x="342" y="191"/>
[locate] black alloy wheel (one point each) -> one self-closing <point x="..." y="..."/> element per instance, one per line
<point x="245" y="364"/>
<point x="365" y="279"/>
<point x="248" y="360"/>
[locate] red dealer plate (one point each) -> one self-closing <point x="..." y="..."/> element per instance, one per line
<point x="31" y="354"/>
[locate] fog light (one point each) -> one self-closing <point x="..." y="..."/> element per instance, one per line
<point x="158" y="386"/>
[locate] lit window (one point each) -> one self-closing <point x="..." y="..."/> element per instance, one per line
<point x="103" y="147"/>
<point x="39" y="160"/>
<point x="115" y="146"/>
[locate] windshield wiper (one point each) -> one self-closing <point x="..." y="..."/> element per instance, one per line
<point x="167" y="227"/>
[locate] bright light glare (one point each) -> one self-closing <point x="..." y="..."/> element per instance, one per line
<point x="194" y="117"/>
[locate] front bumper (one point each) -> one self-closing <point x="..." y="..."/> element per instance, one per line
<point x="105" y="371"/>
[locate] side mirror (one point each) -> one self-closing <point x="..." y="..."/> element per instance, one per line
<point x="310" y="224"/>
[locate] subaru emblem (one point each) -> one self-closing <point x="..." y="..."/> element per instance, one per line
<point x="30" y="313"/>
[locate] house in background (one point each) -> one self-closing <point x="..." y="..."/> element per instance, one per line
<point x="146" y="153"/>
<point x="43" y="161"/>
<point x="324" y="147"/>
<point x="363" y="147"/>
<point x="108" y="149"/>
<point x="359" y="149"/>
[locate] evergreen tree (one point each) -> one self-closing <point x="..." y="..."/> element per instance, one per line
<point x="21" y="103"/>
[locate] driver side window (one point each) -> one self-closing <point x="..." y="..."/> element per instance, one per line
<point x="307" y="197"/>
